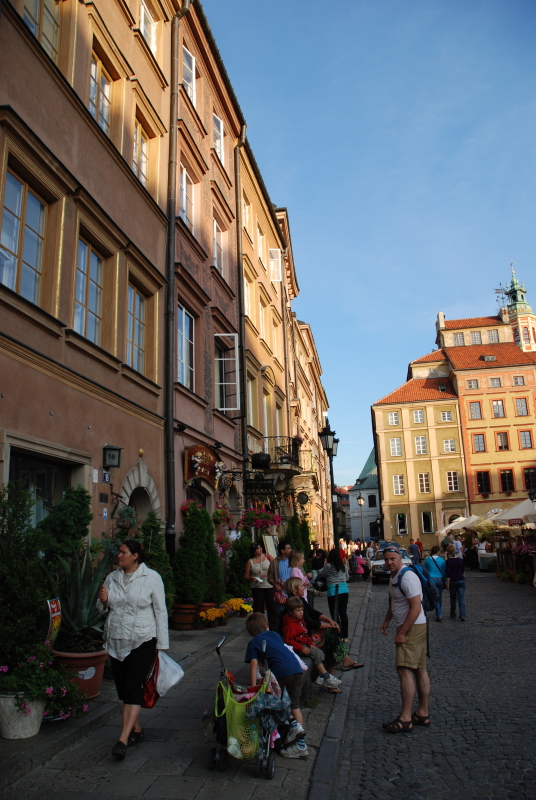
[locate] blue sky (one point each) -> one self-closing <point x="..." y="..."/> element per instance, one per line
<point x="400" y="135"/>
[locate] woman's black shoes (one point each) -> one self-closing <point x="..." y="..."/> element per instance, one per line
<point x="119" y="750"/>
<point x="135" y="737"/>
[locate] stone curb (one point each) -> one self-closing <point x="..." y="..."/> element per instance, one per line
<point x="41" y="752"/>
<point x="326" y="765"/>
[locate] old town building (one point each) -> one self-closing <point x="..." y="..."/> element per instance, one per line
<point x="364" y="516"/>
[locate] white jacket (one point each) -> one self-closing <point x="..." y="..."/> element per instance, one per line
<point x="136" y="610"/>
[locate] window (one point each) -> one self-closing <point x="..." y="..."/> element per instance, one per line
<point x="432" y="372"/>
<point x="441" y="387"/>
<point x="22" y="239"/>
<point x="148" y="26"/>
<point x="516" y="335"/>
<point x="43" y="19"/>
<point x="401" y="524"/>
<point x="275" y="264"/>
<point x="136" y="330"/>
<point x="398" y="484"/>
<point x="427" y="522"/>
<point x="493" y="337"/>
<point x="502" y="441"/>
<point x="483" y="483"/>
<point x="185" y="348"/>
<point x="100" y="94"/>
<point x="452" y="481"/>
<point x="479" y="443"/>
<point x="393" y="418"/>
<point x="260" y="245"/>
<point x="188" y="73"/>
<point x="525" y="439"/>
<point x="472" y="384"/>
<point x="186" y="199"/>
<point x="262" y="321"/>
<point x="250" y="389"/>
<point x="420" y="445"/>
<point x="217" y="240"/>
<point x="507" y="480"/>
<point x="247" y="298"/>
<point x="265" y="414"/>
<point x="418" y="416"/>
<point x="424" y="482"/>
<point x="498" y="408"/>
<point x="372" y="501"/>
<point x="218" y="138"/>
<point x="519" y="380"/>
<point x="396" y="447"/>
<point x="521" y="407"/>
<point x="476" y="337"/>
<point x="449" y="445"/>
<point x="475" y="410"/>
<point x="529" y="474"/>
<point x="275" y="337"/>
<point x="526" y="335"/>
<point x="140" y="161"/>
<point x="446" y="416"/>
<point x="226" y="371"/>
<point x="246" y="213"/>
<point x="458" y="340"/>
<point x="88" y="293"/>
<point x="495" y="383"/>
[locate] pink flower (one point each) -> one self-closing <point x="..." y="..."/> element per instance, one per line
<point x="63" y="715"/>
<point x="4" y="669"/>
<point x="32" y="658"/>
<point x="49" y="690"/>
<point x="26" y="709"/>
<point x="64" y="690"/>
<point x="85" y="708"/>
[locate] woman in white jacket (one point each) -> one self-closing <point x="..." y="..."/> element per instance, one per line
<point x="133" y="597"/>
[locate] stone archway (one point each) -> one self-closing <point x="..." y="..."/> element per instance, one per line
<point x="140" y="478"/>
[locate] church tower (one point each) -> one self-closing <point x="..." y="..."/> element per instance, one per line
<point x="521" y="316"/>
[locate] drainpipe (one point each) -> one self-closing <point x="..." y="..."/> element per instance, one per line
<point x="242" y="317"/>
<point x="169" y="316"/>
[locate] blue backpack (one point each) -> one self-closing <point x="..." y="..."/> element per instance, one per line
<point x="430" y="592"/>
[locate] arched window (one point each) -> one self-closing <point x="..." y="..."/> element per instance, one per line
<point x="453" y="518"/>
<point x="526" y="337"/>
<point x="140" y="500"/>
<point x="516" y="335"/>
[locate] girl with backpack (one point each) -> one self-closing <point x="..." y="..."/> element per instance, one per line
<point x="435" y="568"/>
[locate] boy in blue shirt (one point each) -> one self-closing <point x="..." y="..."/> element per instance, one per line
<point x="288" y="672"/>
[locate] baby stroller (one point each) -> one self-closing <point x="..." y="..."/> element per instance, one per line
<point x="239" y="733"/>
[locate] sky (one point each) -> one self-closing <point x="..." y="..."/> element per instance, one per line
<point x="400" y="135"/>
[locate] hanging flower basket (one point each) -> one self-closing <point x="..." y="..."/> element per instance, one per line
<point x="222" y="516"/>
<point x="188" y="505"/>
<point x="260" y="520"/>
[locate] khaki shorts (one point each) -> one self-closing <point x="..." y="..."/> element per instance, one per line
<point x="412" y="654"/>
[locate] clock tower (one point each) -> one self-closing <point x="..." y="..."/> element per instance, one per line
<point x="522" y="318"/>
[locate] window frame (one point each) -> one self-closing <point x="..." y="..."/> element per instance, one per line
<point x="131" y="320"/>
<point x="531" y="440"/>
<point x="483" y="485"/>
<point x="518" y="380"/>
<point x="394" y="446"/>
<point x="495" y="383"/>
<point x="446" y="416"/>
<point x="87" y="311"/>
<point x="472" y="407"/>
<point x="507" y="476"/>
<point x="399" y="487"/>
<point x="151" y="41"/>
<point x="234" y="359"/>
<point x="502" y="436"/>
<point x="416" y="413"/>
<point x="421" y="446"/>
<point x="472" y="381"/>
<point x="493" y="337"/>
<point x="529" y="472"/>
<point x="218" y="262"/>
<point x="261" y="242"/>
<point x="218" y="137"/>
<point x="459" y="340"/>
<point x="37" y="28"/>
<point x="453" y="484"/>
<point x="183" y="311"/>
<point x="189" y="88"/>
<point x="525" y="401"/>
<point x="451" y="446"/>
<point x="476" y="337"/>
<point x="97" y="103"/>
<point x="423" y="479"/>
<point x="140" y="133"/>
<point x="496" y="405"/>
<point x="186" y="200"/>
<point x="392" y="414"/>
<point x="475" y="448"/>
<point x="431" y="515"/>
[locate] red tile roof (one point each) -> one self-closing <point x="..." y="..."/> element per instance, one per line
<point x="435" y="355"/>
<point x="420" y="389"/>
<point x="474" y="322"/>
<point x="507" y="354"/>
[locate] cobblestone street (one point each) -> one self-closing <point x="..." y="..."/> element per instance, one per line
<point x="481" y="743"/>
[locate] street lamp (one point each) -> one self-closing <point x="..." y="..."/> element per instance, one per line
<point x="330" y="445"/>
<point x="361" y="503"/>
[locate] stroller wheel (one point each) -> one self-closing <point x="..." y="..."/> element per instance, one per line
<point x="224" y="757"/>
<point x="270" y="767"/>
<point x="212" y="758"/>
<point x="259" y="765"/>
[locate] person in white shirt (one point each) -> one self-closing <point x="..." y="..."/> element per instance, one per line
<point x="482" y="546"/>
<point x="405" y="607"/>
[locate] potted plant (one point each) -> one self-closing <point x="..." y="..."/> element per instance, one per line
<point x="214" y="587"/>
<point x="79" y="645"/>
<point x="259" y="519"/>
<point x="32" y="685"/>
<point x="223" y="516"/>
<point x="189" y="571"/>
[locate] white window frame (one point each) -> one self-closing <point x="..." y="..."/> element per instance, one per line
<point x="148" y="23"/>
<point x="227" y="361"/>
<point x="396" y="446"/>
<point x="493" y="337"/>
<point x="459" y="340"/>
<point x="250" y="411"/>
<point x="186" y="198"/>
<point x="421" y="446"/>
<point x="502" y="436"/>
<point x="478" y="449"/>
<point x="472" y="384"/>
<point x="219" y="141"/>
<point x="519" y="380"/>
<point x="475" y="403"/>
<point x="247" y="297"/>
<point x="497" y="405"/>
<point x="262" y="320"/>
<point x="188" y="74"/>
<point x="452" y="481"/>
<point x="246" y="213"/>
<point x="398" y="485"/>
<point x="424" y="482"/>
<point x="495" y="383"/>
<point x="449" y="445"/>
<point x="524" y="413"/>
<point x="217" y="246"/>
<point x="189" y="370"/>
<point x="260" y="244"/>
<point x="399" y="529"/>
<point x="522" y="434"/>
<point x="476" y="337"/>
<point x="431" y="513"/>
<point x="140" y="156"/>
<point x="418" y="416"/>
<point x="276" y="273"/>
<point x="393" y="415"/>
<point x="446" y="416"/>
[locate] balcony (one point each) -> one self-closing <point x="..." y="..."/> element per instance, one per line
<point x="284" y="454"/>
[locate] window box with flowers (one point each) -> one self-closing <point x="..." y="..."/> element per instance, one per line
<point x="260" y="520"/>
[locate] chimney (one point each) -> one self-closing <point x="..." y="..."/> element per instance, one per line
<point x="504" y="315"/>
<point x="440" y="324"/>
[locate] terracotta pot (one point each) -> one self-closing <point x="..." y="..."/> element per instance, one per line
<point x="87" y="668"/>
<point x="205" y="606"/>
<point x="183" y="617"/>
<point x="15" y="724"/>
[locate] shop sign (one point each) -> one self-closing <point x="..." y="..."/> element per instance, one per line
<point x="258" y="487"/>
<point x="515" y="522"/>
<point x="202" y="462"/>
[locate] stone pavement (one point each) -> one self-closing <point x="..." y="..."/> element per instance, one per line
<point x="481" y="741"/>
<point x="173" y="762"/>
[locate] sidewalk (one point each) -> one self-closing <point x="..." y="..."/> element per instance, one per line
<point x="74" y="761"/>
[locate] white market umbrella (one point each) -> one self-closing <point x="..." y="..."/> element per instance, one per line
<point x="462" y="522"/>
<point x="526" y="511"/>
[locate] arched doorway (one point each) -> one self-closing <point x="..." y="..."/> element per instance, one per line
<point x="453" y="518"/>
<point x="141" y="502"/>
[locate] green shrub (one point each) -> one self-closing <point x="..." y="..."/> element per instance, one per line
<point x="236" y="585"/>
<point x="505" y="576"/>
<point x="189" y="562"/>
<point x="293" y="533"/>
<point x="305" y="537"/>
<point x="68" y="523"/>
<point x="215" y="588"/>
<point x="153" y="541"/>
<point x="521" y="577"/>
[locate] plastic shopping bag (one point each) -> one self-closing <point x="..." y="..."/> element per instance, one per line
<point x="302" y="664"/>
<point x="169" y="673"/>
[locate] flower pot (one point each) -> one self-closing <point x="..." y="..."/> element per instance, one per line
<point x="243" y="613"/>
<point x="183" y="617"/>
<point x="87" y="669"/>
<point x="222" y="620"/>
<point x="204" y="606"/>
<point x="15" y="724"/>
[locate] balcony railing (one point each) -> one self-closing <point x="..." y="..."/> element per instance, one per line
<point x="282" y="450"/>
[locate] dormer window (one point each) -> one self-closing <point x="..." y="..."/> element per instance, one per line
<point x="432" y="372"/>
<point x="489" y="358"/>
<point x="442" y="388"/>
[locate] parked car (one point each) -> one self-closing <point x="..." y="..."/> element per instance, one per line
<point x="378" y="570"/>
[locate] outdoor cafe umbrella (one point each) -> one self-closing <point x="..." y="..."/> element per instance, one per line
<point x="525" y="511"/>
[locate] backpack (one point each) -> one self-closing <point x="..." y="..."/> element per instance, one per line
<point x="430" y="592"/>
